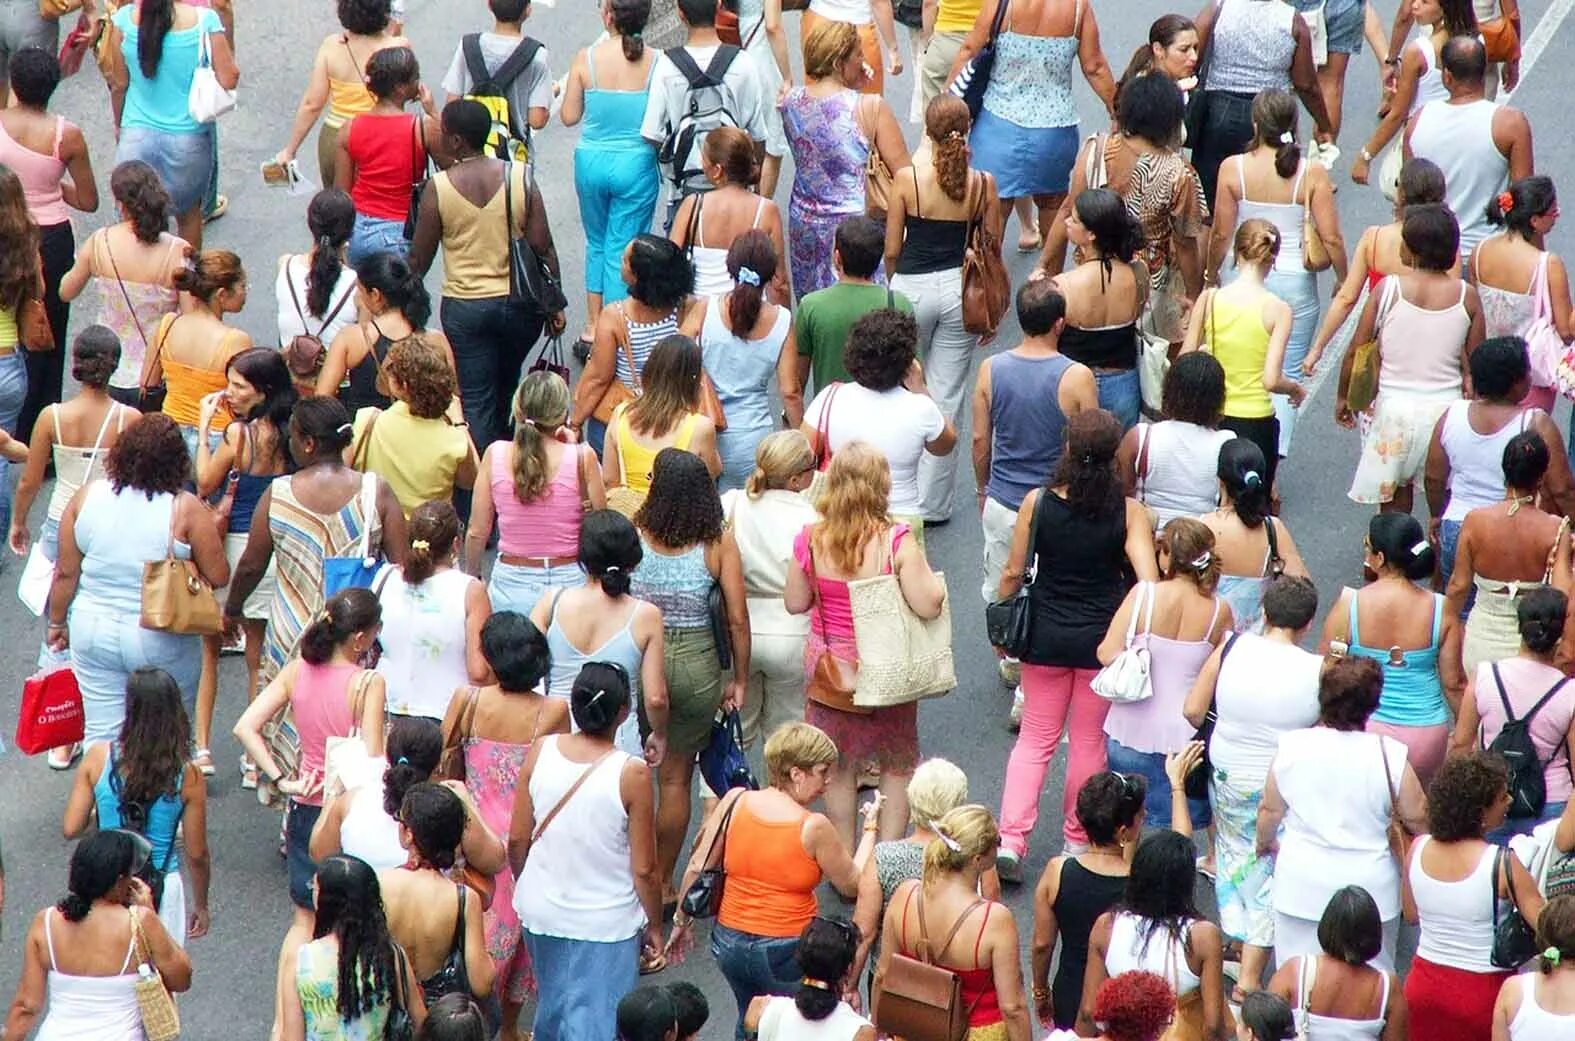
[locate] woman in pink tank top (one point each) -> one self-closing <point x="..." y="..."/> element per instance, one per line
<point x="329" y="695"/>
<point x="538" y="488"/>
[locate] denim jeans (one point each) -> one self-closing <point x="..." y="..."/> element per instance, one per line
<point x="13" y="393"/>
<point x="1151" y="765"/>
<point x="375" y="235"/>
<point x="579" y="984"/>
<point x="107" y="646"/>
<point x="516" y="587"/>
<point x="491" y="339"/>
<point x="1120" y="394"/>
<point x="755" y="965"/>
<point x="1226" y="131"/>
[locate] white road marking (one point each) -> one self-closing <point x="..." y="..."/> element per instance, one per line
<point x="1547" y="26"/>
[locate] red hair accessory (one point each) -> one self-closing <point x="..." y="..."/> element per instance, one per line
<point x="1506" y="201"/>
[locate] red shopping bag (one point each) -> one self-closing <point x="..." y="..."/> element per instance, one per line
<point x="51" y="714"/>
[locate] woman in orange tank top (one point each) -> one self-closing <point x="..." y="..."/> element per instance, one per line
<point x="776" y="852"/>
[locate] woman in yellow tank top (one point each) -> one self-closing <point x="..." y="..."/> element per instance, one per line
<point x="666" y="415"/>
<point x="1246" y="328"/>
<point x="338" y="79"/>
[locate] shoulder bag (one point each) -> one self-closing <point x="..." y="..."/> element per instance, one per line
<point x="902" y="657"/>
<point x="1127" y="678"/>
<point x="422" y="173"/>
<point x="531" y="281"/>
<point x="617" y="391"/>
<point x="1315" y="252"/>
<point x="149" y="398"/>
<point x="207" y="99"/>
<point x="1500" y="39"/>
<point x="711" y="403"/>
<point x="453" y="977"/>
<point x="835" y="679"/>
<point x="1399" y="838"/>
<point x="877" y="175"/>
<point x="1196" y="784"/>
<point x="917" y="999"/>
<point x="621" y="497"/>
<point x="557" y="807"/>
<point x="400" y="1026"/>
<point x="1009" y="623"/>
<point x="175" y="597"/>
<point x="1544" y="346"/>
<point x="226" y="505"/>
<point x="986" y="287"/>
<point x="342" y="755"/>
<point x="703" y="898"/>
<point x="451" y="766"/>
<point x="1514" y="941"/>
<point x="722" y="761"/>
<point x="305" y="352"/>
<point x="340" y="573"/>
<point x="973" y="80"/>
<point x="155" y="1004"/>
<point x="1361" y="390"/>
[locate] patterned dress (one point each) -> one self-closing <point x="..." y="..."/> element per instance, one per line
<point x="830" y="154"/>
<point x="131" y="310"/>
<point x="492" y="770"/>
<point x="302" y="540"/>
<point x="317" y="982"/>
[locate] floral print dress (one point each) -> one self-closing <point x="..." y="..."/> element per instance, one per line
<point x="830" y="155"/>
<point x="492" y="770"/>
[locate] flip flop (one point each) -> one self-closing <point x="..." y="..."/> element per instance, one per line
<point x="651" y="964"/>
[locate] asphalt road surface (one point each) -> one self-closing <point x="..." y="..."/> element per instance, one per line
<point x="232" y="993"/>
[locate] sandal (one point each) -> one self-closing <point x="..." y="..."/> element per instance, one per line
<point x="57" y="762"/>
<point x="203" y="761"/>
<point x="652" y="963"/>
<point x="248" y="774"/>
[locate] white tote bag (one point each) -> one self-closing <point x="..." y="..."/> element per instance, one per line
<point x="208" y="99"/>
<point x="1127" y="678"/>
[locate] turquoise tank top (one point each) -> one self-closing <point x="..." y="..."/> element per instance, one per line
<point x="163" y="815"/>
<point x="1413" y="694"/>
<point x="613" y="117"/>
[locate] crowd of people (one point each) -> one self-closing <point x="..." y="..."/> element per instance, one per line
<point x="498" y="617"/>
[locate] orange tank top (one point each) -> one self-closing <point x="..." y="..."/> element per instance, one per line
<point x="771" y="880"/>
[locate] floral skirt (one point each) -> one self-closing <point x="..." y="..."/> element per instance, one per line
<point x="1394" y="447"/>
<point x="1244" y="882"/>
<point x="886" y="739"/>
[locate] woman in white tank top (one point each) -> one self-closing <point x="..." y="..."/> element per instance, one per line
<point x="730" y="208"/>
<point x="1540" y="1005"/>
<point x="1336" y="994"/>
<point x="1169" y="466"/>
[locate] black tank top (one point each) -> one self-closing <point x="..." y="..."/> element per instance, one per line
<point x="930" y="244"/>
<point x="1081" y="582"/>
<point x="1083" y="896"/>
<point x="1113" y="347"/>
<point x="359" y="389"/>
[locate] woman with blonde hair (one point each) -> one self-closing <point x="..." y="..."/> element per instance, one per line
<point x="665" y="415"/>
<point x="535" y="487"/>
<point x="833" y="130"/>
<point x="931" y="207"/>
<point x="1246" y="327"/>
<point x="858" y="539"/>
<point x="1181" y="619"/>
<point x="764" y="517"/>
<point x="979" y="935"/>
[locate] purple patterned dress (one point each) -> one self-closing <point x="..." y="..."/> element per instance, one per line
<point x="830" y="154"/>
<point x="492" y="771"/>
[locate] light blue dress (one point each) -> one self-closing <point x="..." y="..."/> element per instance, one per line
<point x="616" y="178"/>
<point x="743" y="372"/>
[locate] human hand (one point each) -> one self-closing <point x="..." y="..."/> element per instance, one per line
<point x="1343" y="414"/>
<point x="1359" y="170"/>
<point x="556" y="323"/>
<point x="424" y="96"/>
<point x="284" y="156"/>
<point x="1511" y="75"/>
<point x="655" y="750"/>
<point x="140" y="895"/>
<point x="870" y="811"/>
<point x="734" y="694"/>
<point x="21" y="539"/>
<point x="292" y="785"/>
<point x="1297" y="393"/>
<point x="679" y="941"/>
<point x="58" y="638"/>
<point x="782" y="92"/>
<point x="894" y="67"/>
<point x="209" y="407"/>
<point x="1179" y="764"/>
<point x="1388" y="83"/>
<point x="913" y="379"/>
<point x="197" y="924"/>
<point x="1043" y="1008"/>
<point x="1310" y="362"/>
<point x="652" y="943"/>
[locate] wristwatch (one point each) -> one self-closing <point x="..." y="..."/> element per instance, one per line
<point x="1364" y="155"/>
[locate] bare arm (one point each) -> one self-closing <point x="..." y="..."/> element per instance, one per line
<point x="1091" y="57"/>
<point x="1345" y="298"/>
<point x="1140" y="543"/>
<point x="429" y="230"/>
<point x="983" y="431"/>
<point x="80" y="191"/>
<point x="313" y="101"/>
<point x="572" y="108"/>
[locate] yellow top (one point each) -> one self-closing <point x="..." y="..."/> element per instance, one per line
<point x="417" y="457"/>
<point x="476" y="238"/>
<point x="636" y="460"/>
<point x="957" y="16"/>
<point x="10" y="335"/>
<point x="1239" y="342"/>
<point x="347" y="98"/>
<point x="188" y="384"/>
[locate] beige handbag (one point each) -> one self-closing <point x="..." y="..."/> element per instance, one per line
<point x="156" y="1005"/>
<point x="902" y="657"/>
<point x="342" y="755"/>
<point x="175" y="596"/>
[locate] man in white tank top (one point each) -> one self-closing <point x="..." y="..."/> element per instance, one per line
<point x="1480" y="145"/>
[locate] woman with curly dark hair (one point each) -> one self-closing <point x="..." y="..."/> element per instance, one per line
<point x="887" y="406"/>
<point x="1169" y="465"/>
<point x="858" y="538"/>
<point x="337" y="81"/>
<point x="1089" y="534"/>
<point x="1454" y="978"/>
<point x="396" y="306"/>
<point x="109" y="530"/>
<point x="660" y="280"/>
<point x="346" y="979"/>
<point x="414" y="444"/>
<point x="315" y="291"/>
<point x="1335" y="787"/>
<point x="686" y="553"/>
<point x="1157" y="928"/>
<point x="666" y="415"/>
<point x="133" y="262"/>
<point x="145" y="782"/>
<point x="90" y="929"/>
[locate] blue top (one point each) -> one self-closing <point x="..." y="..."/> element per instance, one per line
<point x="1031" y="81"/>
<point x="742" y="370"/>
<point x="1413" y="695"/>
<point x="1028" y="428"/>
<point x="160" y="103"/>
<point x="248" y="490"/>
<point x="118" y="533"/>
<point x="163" y="816"/>
<point x="567" y="659"/>
<point x="613" y="117"/>
<point x="680" y="586"/>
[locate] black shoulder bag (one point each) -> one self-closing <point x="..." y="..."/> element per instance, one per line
<point x="1197" y="783"/>
<point x="1009" y="623"/>
<point x="530" y="281"/>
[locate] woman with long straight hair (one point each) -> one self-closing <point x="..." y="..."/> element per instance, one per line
<point x="666" y="415"/>
<point x="21" y="280"/>
<point x="536" y="488"/>
<point x="928" y="214"/>
<point x="254" y="449"/>
<point x="314" y="291"/>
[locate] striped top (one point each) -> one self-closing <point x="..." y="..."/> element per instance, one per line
<point x="643" y="336"/>
<point x="302" y="540"/>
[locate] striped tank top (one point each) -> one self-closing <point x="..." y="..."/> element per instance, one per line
<point x="643" y="337"/>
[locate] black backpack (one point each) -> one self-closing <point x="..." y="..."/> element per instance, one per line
<point x="134" y="817"/>
<point x="509" y="137"/>
<point x="709" y="104"/>
<point x="1528" y="791"/>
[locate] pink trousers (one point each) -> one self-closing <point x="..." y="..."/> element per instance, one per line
<point x="1054" y="699"/>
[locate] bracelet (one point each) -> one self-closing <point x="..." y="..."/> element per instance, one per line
<point x="1364" y="155"/>
<point x="1041" y="993"/>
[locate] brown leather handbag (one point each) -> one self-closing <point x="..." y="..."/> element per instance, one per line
<point x="175" y="596"/>
<point x="986" y="287"/>
<point x="877" y="177"/>
<point x="916" y="999"/>
<point x="1500" y="39"/>
<point x="834" y="678"/>
<point x="711" y="403"/>
<point x="617" y="391"/>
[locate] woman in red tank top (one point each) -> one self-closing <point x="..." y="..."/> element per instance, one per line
<point x="973" y="937"/>
<point x="383" y="153"/>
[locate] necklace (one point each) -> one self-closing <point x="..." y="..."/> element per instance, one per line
<point x="1517" y="501"/>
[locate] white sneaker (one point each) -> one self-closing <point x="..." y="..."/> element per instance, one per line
<point x="1015" y="717"/>
<point x="1325" y="155"/>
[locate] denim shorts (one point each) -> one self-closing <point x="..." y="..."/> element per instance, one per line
<point x="516" y="587"/>
<point x="184" y="162"/>
<point x="1151" y="766"/>
<point x="298" y="825"/>
<point x="1345" y="20"/>
<point x="375" y="235"/>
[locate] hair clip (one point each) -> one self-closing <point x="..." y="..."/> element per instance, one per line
<point x="402" y="761"/>
<point x="1506" y="201"/>
<point x="1202" y="560"/>
<point x="947" y="841"/>
<point x="1088" y="458"/>
<point x="748" y="277"/>
<point x="598" y="695"/>
<point x="1287" y="138"/>
<point x="817" y="984"/>
<point x="1552" y="956"/>
<point x="420" y="544"/>
<point x="954" y="135"/>
<point x="1251" y="478"/>
<point x="612" y="569"/>
<point x="1417" y="549"/>
<point x="344" y="428"/>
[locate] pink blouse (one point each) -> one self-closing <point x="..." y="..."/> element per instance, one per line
<point x="832" y="593"/>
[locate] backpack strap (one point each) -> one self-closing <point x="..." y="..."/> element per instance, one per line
<point x="1549" y="696"/>
<point x="475" y="64"/>
<point x="517" y="62"/>
<point x="684" y="62"/>
<point x="720" y="62"/>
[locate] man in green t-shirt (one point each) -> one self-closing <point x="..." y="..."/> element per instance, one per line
<point x="825" y="316"/>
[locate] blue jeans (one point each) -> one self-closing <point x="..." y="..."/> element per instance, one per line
<point x="755" y="965"/>
<point x="300" y="868"/>
<point x="491" y="339"/>
<point x="515" y="587"/>
<point x="1448" y="546"/>
<point x="1120" y="394"/>
<point x="1151" y="766"/>
<point x="375" y="235"/>
<point x="106" y="646"/>
<point x="579" y="984"/>
<point x="13" y="393"/>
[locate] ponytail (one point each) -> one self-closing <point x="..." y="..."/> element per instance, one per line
<point x="346" y="613"/>
<point x="434" y="528"/>
<point x="330" y="218"/>
<point x="156" y="19"/>
<point x="752" y="261"/>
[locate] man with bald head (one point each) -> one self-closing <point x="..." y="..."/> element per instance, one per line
<point x="1479" y="144"/>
